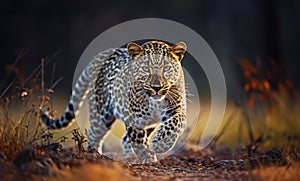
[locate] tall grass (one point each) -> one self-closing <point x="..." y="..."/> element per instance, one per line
<point x="20" y="103"/>
<point x="269" y="117"/>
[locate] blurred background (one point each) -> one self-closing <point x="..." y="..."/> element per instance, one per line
<point x="248" y="29"/>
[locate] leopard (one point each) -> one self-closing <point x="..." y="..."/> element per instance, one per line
<point x="142" y="86"/>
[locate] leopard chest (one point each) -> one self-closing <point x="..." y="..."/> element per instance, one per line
<point x="139" y="111"/>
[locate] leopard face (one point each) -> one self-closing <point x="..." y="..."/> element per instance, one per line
<point x="156" y="67"/>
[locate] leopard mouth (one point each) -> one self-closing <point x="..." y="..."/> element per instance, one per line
<point x="157" y="96"/>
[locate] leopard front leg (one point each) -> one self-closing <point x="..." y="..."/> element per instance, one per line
<point x="139" y="143"/>
<point x="168" y="132"/>
<point x="128" y="152"/>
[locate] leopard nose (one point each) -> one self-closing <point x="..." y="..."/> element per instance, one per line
<point x="156" y="82"/>
<point x="156" y="88"/>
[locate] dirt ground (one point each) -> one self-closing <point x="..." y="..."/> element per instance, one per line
<point x="190" y="163"/>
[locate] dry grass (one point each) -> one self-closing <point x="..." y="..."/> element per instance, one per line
<point x="19" y="130"/>
<point x="277" y="173"/>
<point x="20" y="103"/>
<point x="269" y="117"/>
<point x="99" y="172"/>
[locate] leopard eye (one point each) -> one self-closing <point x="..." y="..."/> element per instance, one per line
<point x="145" y="68"/>
<point x="167" y="68"/>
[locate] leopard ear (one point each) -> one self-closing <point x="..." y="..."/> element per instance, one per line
<point x="178" y="50"/>
<point x="134" y="49"/>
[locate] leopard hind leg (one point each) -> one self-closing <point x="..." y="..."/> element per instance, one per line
<point x="99" y="128"/>
<point x="101" y="119"/>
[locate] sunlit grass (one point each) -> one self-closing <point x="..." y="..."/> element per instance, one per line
<point x="19" y="125"/>
<point x="278" y="124"/>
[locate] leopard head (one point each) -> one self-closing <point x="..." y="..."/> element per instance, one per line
<point x="156" y="66"/>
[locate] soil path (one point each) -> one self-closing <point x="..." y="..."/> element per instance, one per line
<point x="190" y="164"/>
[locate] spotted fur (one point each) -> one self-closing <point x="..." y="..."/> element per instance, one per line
<point x="143" y="86"/>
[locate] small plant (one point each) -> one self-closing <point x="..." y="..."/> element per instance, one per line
<point x="79" y="141"/>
